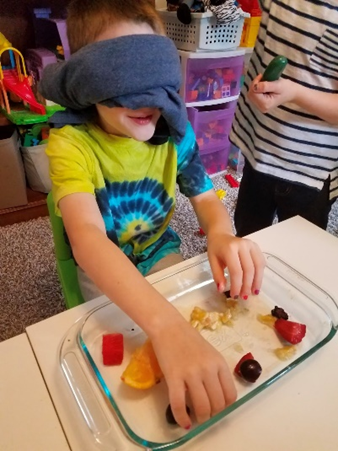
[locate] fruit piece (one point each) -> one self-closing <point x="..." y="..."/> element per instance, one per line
<point x="169" y="414"/>
<point x="279" y="312"/>
<point x="201" y="319"/>
<point x="250" y="370"/>
<point x="112" y="349"/>
<point x="143" y="370"/>
<point x="286" y="352"/>
<point x="268" y="320"/>
<point x="227" y="294"/>
<point x="290" y="331"/>
<point x="245" y="357"/>
<point x="275" y="68"/>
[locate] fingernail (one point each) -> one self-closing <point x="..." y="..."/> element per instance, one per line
<point x="236" y="296"/>
<point x="188" y="427"/>
<point x="245" y="297"/>
<point x="256" y="291"/>
<point x="220" y="287"/>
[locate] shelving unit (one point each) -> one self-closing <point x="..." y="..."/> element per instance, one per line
<point x="210" y="89"/>
<point x="16" y="24"/>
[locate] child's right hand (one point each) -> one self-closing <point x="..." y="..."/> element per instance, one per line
<point x="190" y="364"/>
<point x="267" y="95"/>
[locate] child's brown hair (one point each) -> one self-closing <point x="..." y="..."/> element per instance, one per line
<point x="87" y="19"/>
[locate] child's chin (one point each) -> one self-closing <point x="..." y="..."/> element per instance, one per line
<point x="143" y="135"/>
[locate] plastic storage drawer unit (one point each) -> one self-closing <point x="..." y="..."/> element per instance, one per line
<point x="216" y="160"/>
<point x="236" y="159"/>
<point x="212" y="125"/>
<point x="211" y="78"/>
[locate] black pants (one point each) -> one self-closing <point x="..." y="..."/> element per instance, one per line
<point x="261" y="197"/>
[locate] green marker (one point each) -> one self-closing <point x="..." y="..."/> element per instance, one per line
<point x="275" y="69"/>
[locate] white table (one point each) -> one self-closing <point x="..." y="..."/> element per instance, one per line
<point x="28" y="421"/>
<point x="298" y="413"/>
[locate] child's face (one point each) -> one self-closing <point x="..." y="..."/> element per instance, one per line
<point x="138" y="124"/>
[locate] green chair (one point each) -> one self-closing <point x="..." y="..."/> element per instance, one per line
<point x="65" y="263"/>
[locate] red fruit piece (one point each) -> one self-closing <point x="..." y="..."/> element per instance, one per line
<point x="112" y="349"/>
<point x="245" y="357"/>
<point x="290" y="331"/>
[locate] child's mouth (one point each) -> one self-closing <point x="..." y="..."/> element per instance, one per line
<point x="141" y="120"/>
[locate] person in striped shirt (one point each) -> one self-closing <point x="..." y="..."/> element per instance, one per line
<point x="287" y="130"/>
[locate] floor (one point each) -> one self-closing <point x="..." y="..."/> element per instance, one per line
<point x="35" y="208"/>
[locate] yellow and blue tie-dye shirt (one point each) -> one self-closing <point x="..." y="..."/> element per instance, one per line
<point x="134" y="184"/>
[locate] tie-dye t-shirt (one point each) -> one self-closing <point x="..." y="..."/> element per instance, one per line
<point x="134" y="184"/>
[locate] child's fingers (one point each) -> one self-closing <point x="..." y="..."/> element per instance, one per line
<point x="228" y="386"/>
<point x="236" y="274"/>
<point x="259" y="263"/>
<point x="256" y="80"/>
<point x="214" y="389"/>
<point x="217" y="269"/>
<point x="178" y="404"/>
<point x="248" y="271"/>
<point x="200" y="399"/>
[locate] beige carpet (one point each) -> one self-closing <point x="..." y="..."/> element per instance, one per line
<point x="29" y="286"/>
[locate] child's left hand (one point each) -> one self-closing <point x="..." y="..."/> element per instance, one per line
<point x="242" y="257"/>
<point x="267" y="95"/>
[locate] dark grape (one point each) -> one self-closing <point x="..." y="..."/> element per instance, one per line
<point x="250" y="370"/>
<point x="279" y="313"/>
<point x="169" y="414"/>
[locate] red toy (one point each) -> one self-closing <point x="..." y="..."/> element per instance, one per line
<point x="112" y="349"/>
<point x="14" y="80"/>
<point x="232" y="182"/>
<point x="200" y="232"/>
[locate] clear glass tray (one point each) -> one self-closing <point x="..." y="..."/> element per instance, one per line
<point x="140" y="415"/>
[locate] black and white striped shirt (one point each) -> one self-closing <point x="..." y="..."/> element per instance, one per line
<point x="287" y="142"/>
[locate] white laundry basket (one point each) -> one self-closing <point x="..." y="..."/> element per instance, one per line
<point x="203" y="33"/>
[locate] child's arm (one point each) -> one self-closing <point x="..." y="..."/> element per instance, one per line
<point x="177" y="344"/>
<point x="242" y="257"/>
<point x="267" y="95"/>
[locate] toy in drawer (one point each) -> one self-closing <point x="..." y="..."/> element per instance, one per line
<point x="211" y="77"/>
<point x="212" y="124"/>
<point x="236" y="159"/>
<point x="216" y="160"/>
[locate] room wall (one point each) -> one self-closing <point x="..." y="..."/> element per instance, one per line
<point x="16" y="22"/>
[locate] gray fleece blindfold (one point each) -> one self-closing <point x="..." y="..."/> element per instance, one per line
<point x="134" y="71"/>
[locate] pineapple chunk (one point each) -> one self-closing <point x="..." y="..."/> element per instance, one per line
<point x="201" y="319"/>
<point x="286" y="352"/>
<point x="268" y="320"/>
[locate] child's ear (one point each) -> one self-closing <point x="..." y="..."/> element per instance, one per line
<point x="161" y="133"/>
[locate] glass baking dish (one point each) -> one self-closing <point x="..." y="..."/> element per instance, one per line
<point x="114" y="411"/>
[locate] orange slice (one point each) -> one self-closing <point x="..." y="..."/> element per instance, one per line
<point x="143" y="370"/>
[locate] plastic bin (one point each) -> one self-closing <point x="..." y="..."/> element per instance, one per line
<point x="37" y="168"/>
<point x="203" y="33"/>
<point x="216" y="160"/>
<point x="12" y="175"/>
<point x="236" y="159"/>
<point x="250" y="31"/>
<point x="212" y="125"/>
<point x="211" y="78"/>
